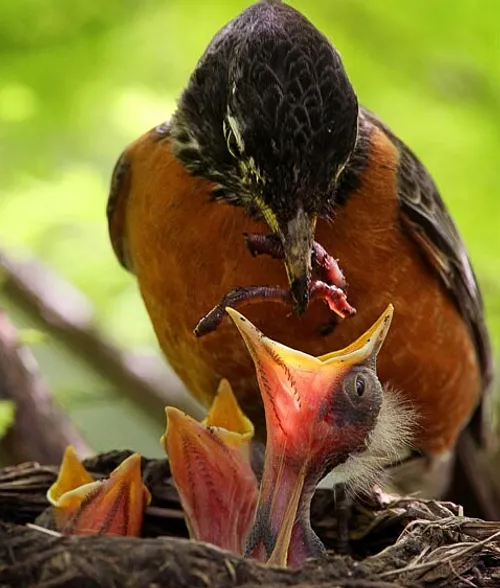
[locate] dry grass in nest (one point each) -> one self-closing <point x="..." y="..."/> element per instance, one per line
<point x="408" y="542"/>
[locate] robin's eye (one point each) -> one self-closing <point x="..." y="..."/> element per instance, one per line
<point x="359" y="385"/>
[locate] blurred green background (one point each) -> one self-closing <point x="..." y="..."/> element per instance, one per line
<point x="81" y="79"/>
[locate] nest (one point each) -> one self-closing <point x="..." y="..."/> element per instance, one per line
<point x="408" y="542"/>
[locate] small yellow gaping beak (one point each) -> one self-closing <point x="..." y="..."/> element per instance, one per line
<point x="302" y="395"/>
<point x="227" y="418"/>
<point x="72" y="475"/>
<point x="367" y="345"/>
<point x="111" y="507"/>
<point x="293" y="384"/>
<point x="212" y="473"/>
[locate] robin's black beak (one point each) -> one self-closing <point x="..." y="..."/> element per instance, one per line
<point x="297" y="236"/>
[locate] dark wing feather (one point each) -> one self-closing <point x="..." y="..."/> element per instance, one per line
<point x="425" y="217"/>
<point x="118" y="194"/>
<point x="115" y="210"/>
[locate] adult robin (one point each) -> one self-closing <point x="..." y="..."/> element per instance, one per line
<point x="268" y="137"/>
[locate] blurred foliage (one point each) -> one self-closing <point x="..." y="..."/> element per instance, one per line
<point x="81" y="79"/>
<point x="106" y="417"/>
<point x="7" y="413"/>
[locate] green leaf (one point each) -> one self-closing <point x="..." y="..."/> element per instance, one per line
<point x="7" y="413"/>
<point x="32" y="336"/>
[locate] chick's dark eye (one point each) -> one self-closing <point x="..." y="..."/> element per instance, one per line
<point x="362" y="390"/>
<point x="360" y="385"/>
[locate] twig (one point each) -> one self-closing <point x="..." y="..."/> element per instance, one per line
<point x="466" y="547"/>
<point x="43" y="530"/>
<point x="66" y="314"/>
<point x="41" y="430"/>
<point x="459" y="577"/>
<point x="164" y="513"/>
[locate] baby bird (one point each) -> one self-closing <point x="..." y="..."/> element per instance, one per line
<point x="323" y="414"/>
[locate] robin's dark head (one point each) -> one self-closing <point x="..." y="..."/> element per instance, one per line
<point x="270" y="116"/>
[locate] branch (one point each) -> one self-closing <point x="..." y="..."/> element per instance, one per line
<point x="110" y="561"/>
<point x="41" y="430"/>
<point x="68" y="315"/>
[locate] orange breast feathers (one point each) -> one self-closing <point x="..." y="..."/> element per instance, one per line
<point x="188" y="252"/>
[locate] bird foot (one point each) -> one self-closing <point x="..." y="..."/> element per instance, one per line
<point x="327" y="288"/>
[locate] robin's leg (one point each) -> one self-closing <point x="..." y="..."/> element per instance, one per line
<point x="325" y="265"/>
<point x="332" y="295"/>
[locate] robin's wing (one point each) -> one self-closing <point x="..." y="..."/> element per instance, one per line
<point x="426" y="219"/>
<point x="424" y="215"/>
<point x="118" y="194"/>
<point x="115" y="210"/>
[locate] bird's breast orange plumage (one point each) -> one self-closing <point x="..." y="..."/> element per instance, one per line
<point x="188" y="251"/>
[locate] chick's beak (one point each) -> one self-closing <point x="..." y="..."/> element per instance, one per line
<point x="211" y="469"/>
<point x="228" y="420"/>
<point x="71" y="475"/>
<point x="302" y="444"/>
<point x="112" y="507"/>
